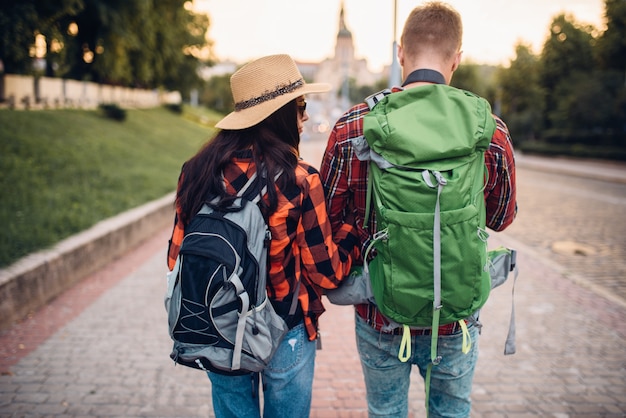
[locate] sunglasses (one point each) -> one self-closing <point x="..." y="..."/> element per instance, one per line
<point x="301" y="106"/>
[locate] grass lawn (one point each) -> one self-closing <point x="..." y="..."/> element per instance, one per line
<point x="65" y="170"/>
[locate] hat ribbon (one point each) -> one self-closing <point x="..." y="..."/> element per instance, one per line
<point x="270" y="95"/>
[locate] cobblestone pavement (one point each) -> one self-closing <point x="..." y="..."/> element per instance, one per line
<point x="578" y="222"/>
<point x="101" y="349"/>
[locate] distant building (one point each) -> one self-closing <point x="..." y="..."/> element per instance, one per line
<point x="340" y="68"/>
<point x="336" y="70"/>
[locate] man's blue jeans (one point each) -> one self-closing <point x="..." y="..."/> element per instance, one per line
<point x="288" y="383"/>
<point x="387" y="378"/>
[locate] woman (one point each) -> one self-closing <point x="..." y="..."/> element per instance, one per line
<point x="264" y="131"/>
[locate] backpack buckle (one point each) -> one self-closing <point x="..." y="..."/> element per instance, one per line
<point x="381" y="235"/>
<point x="268" y="238"/>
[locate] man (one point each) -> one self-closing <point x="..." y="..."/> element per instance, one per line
<point x="431" y="40"/>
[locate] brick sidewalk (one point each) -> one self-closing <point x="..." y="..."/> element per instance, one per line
<point x="102" y="350"/>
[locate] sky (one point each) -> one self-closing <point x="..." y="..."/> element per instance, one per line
<point x="242" y="30"/>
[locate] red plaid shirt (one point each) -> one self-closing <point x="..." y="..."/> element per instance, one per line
<point x="302" y="247"/>
<point x="345" y="180"/>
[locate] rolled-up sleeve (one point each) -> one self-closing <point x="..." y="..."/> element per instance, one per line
<point x="500" y="190"/>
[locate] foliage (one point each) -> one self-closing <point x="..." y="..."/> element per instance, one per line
<point x="174" y="107"/>
<point x="216" y="94"/>
<point x="113" y="111"/>
<point x="478" y="79"/>
<point x="611" y="45"/>
<point x="567" y="51"/>
<point x="136" y="43"/>
<point x="65" y="170"/>
<point x="574" y="93"/>
<point x="20" y="21"/>
<point x="357" y="93"/>
<point x="582" y="103"/>
<point x="521" y="95"/>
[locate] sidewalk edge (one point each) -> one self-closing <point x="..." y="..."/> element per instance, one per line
<point x="34" y="280"/>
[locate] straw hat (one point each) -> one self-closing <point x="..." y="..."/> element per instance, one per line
<point x="263" y="86"/>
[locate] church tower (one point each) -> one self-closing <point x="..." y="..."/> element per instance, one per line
<point x="344" y="48"/>
<point x="342" y="69"/>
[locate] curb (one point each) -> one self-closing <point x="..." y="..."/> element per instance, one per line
<point x="611" y="171"/>
<point x="34" y="280"/>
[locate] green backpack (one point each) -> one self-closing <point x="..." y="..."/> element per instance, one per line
<point x="426" y="183"/>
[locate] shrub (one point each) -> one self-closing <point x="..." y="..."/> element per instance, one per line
<point x="113" y="111"/>
<point x="175" y="107"/>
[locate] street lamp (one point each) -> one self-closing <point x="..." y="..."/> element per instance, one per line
<point x="394" y="72"/>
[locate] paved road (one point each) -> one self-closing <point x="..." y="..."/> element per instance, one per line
<point x="579" y="222"/>
<point x="101" y="349"/>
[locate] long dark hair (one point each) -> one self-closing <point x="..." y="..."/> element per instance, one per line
<point x="274" y="143"/>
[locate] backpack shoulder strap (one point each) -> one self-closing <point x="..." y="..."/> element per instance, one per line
<point x="249" y="183"/>
<point x="372" y="100"/>
<point x="243" y="192"/>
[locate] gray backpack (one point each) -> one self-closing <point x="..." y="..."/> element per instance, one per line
<point x="219" y="316"/>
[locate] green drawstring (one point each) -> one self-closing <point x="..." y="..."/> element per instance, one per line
<point x="405" y="345"/>
<point x="467" y="339"/>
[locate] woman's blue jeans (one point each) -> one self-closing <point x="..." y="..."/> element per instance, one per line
<point x="387" y="378"/>
<point x="287" y="383"/>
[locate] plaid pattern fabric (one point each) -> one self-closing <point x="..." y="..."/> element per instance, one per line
<point x="302" y="246"/>
<point x="345" y="181"/>
<point x="344" y="176"/>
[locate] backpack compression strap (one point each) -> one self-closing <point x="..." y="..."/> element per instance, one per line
<point x="241" y="323"/>
<point x="441" y="182"/>
<point x="435" y="359"/>
<point x="241" y="291"/>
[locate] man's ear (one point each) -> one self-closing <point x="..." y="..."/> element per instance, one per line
<point x="400" y="55"/>
<point x="457" y="60"/>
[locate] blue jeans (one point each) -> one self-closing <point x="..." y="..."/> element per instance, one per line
<point x="387" y="378"/>
<point x="287" y="382"/>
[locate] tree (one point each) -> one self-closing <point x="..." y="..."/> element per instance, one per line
<point x="216" y="94"/>
<point x="568" y="50"/>
<point x="520" y="95"/>
<point x="611" y="46"/>
<point x="21" y="21"/>
<point x="583" y="81"/>
<point x="137" y="43"/>
<point x="357" y="93"/>
<point x="479" y="79"/>
<point x="466" y="77"/>
<point x="611" y="57"/>
<point x="583" y="105"/>
<point x="181" y="46"/>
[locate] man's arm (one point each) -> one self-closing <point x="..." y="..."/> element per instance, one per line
<point x="335" y="181"/>
<point x="500" y="191"/>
